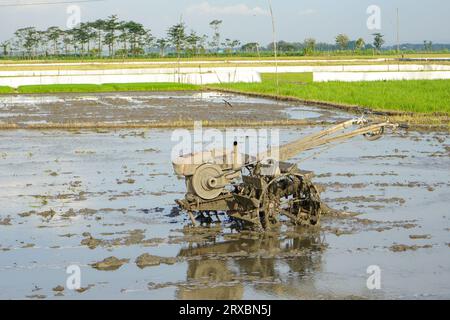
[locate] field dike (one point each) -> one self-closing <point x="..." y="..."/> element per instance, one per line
<point x="410" y="120"/>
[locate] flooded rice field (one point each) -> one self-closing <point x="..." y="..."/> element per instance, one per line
<point x="103" y="202"/>
<point x="148" y="108"/>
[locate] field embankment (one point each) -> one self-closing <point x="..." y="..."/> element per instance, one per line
<point x="424" y="102"/>
<point x="108" y="87"/>
<point x="422" y="96"/>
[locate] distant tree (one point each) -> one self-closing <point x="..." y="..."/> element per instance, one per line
<point x="310" y="45"/>
<point x="67" y="40"/>
<point x="135" y="34"/>
<point x="202" y="44"/>
<point x="111" y="26"/>
<point x="28" y="38"/>
<point x="5" y="45"/>
<point x="360" y="44"/>
<point x="99" y="26"/>
<point x="215" y="25"/>
<point x="81" y="35"/>
<point x="342" y="41"/>
<point x="53" y="35"/>
<point x="123" y="37"/>
<point x="235" y="44"/>
<point x="177" y="37"/>
<point x="193" y="41"/>
<point x="428" y="45"/>
<point x="284" y="46"/>
<point x="231" y="45"/>
<point x="91" y="37"/>
<point x="162" y="43"/>
<point x="250" y="47"/>
<point x="146" y="40"/>
<point x="378" y="41"/>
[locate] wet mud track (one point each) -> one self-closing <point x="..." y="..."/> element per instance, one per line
<point x="103" y="201"/>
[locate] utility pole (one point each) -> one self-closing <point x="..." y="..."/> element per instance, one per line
<point x="275" y="46"/>
<point x="398" y="31"/>
<point x="179" y="58"/>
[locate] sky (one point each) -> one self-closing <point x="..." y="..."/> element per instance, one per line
<point x="250" y="20"/>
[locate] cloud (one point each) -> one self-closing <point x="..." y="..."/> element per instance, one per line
<point x="240" y="9"/>
<point x="308" y="12"/>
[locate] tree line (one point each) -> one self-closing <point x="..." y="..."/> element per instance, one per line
<point x="112" y="37"/>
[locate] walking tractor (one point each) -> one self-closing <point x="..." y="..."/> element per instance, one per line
<point x="254" y="191"/>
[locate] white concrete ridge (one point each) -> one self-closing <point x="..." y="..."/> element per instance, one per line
<point x="231" y="70"/>
<point x="187" y="78"/>
<point x="195" y="62"/>
<point x="379" y="76"/>
<point x="200" y="76"/>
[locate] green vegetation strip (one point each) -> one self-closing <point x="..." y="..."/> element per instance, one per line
<point x="62" y="88"/>
<point x="336" y="55"/>
<point x="421" y="96"/>
<point x="6" y="90"/>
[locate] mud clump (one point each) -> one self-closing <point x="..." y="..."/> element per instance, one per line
<point x="5" y="222"/>
<point x="404" y="248"/>
<point x="87" y="212"/>
<point x="147" y="260"/>
<point x="58" y="289"/>
<point x="84" y="289"/>
<point x="47" y="214"/>
<point x="420" y="237"/>
<point x="127" y="181"/>
<point x="132" y="237"/>
<point x="357" y="199"/>
<point x="110" y="264"/>
<point x="37" y="296"/>
<point x="339" y="232"/>
<point x="90" y="241"/>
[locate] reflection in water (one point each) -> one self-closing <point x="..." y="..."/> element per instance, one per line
<point x="272" y="263"/>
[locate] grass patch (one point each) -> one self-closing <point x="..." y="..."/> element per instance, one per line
<point x="288" y="78"/>
<point x="4" y="90"/>
<point x="422" y="96"/>
<point x="109" y="87"/>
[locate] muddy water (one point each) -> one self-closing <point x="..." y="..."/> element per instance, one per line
<point x="77" y="198"/>
<point x="145" y="108"/>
